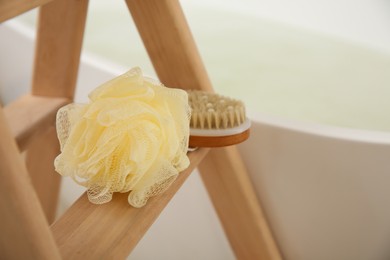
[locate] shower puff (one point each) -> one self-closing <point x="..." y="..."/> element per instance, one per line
<point x="131" y="136"/>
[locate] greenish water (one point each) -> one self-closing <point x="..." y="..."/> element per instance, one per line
<point x="276" y="69"/>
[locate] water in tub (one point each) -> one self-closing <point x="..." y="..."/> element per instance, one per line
<point x="276" y="69"/>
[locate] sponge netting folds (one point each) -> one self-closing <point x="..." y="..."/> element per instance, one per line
<point x="131" y="136"/>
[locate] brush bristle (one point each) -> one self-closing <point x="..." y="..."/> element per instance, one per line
<point x="213" y="111"/>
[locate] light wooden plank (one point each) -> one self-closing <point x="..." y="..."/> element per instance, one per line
<point x="24" y="232"/>
<point x="166" y="35"/>
<point x="57" y="55"/>
<point x="59" y="42"/>
<point x="235" y="201"/>
<point x="46" y="185"/>
<point x="30" y="116"/>
<point x="169" y="42"/>
<point x="12" y="8"/>
<point x="32" y="120"/>
<point x="112" y="230"/>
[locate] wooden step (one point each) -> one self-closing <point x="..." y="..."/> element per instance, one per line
<point x="30" y="115"/>
<point x="112" y="230"/>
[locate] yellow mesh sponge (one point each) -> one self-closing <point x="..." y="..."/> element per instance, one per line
<point x="132" y="136"/>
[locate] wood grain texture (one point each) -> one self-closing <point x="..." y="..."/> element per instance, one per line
<point x="24" y="232"/>
<point x="218" y="141"/>
<point x="112" y="230"/>
<point x="45" y="179"/>
<point x="30" y="116"/>
<point x="59" y="42"/>
<point x="57" y="55"/>
<point x="12" y="8"/>
<point x="235" y="201"/>
<point x="173" y="52"/>
<point x="169" y="42"/>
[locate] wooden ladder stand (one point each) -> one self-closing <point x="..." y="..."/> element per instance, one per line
<point x="110" y="231"/>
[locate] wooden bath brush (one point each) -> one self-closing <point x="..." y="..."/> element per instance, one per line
<point x="216" y="121"/>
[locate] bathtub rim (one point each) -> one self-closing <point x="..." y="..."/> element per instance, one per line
<point x="321" y="130"/>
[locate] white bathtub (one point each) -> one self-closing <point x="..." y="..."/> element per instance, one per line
<point x="325" y="190"/>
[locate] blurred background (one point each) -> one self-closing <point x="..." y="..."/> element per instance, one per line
<point x="317" y="62"/>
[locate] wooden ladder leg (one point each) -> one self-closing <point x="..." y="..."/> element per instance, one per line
<point x="168" y="40"/>
<point x="39" y="160"/>
<point x="57" y="56"/>
<point x="235" y="201"/>
<point x="24" y="232"/>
